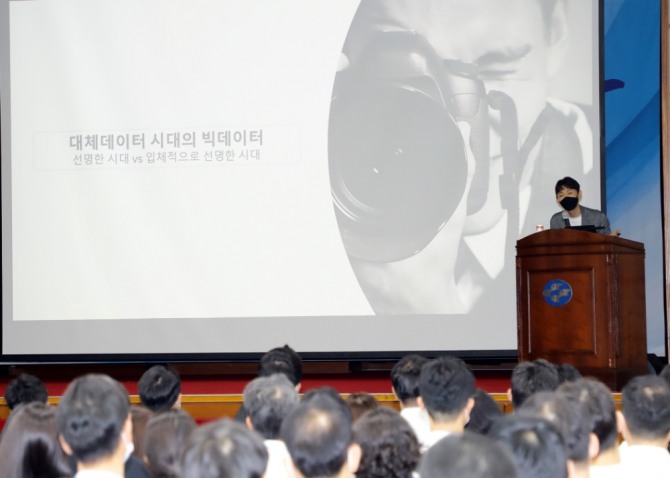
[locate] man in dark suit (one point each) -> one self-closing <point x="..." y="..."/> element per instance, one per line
<point x="568" y="196"/>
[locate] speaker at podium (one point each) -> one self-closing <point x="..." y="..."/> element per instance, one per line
<point x="581" y="300"/>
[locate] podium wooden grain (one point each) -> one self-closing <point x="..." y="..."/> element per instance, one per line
<point x="602" y="328"/>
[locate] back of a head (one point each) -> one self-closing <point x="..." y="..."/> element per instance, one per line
<point x="91" y="416"/>
<point x="569" y="417"/>
<point x="405" y="377"/>
<point x="29" y="447"/>
<point x="224" y="449"/>
<point x="599" y="406"/>
<point x="165" y="437"/>
<point x="485" y="412"/>
<point x="267" y="401"/>
<point x="25" y="389"/>
<point x="328" y="393"/>
<point x="446" y="385"/>
<point x="359" y="403"/>
<point x="567" y="373"/>
<point x="318" y="434"/>
<point x="159" y="388"/>
<point x="532" y="377"/>
<point x="389" y="446"/>
<point x="282" y="360"/>
<point x="467" y="456"/>
<point x="536" y="444"/>
<point x="140" y="416"/>
<point x="645" y="403"/>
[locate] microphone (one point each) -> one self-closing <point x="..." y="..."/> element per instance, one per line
<point x="566" y="218"/>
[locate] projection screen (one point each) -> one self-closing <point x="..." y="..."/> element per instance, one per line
<point x="222" y="177"/>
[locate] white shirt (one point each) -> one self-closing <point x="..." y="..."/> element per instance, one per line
<point x="615" y="470"/>
<point x="96" y="474"/>
<point x="433" y="437"/>
<point x="418" y="419"/>
<point x="279" y="460"/>
<point x="645" y="461"/>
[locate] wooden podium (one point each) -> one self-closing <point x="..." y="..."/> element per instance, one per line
<point x="580" y="300"/>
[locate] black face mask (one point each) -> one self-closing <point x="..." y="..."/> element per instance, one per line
<point x="569" y="203"/>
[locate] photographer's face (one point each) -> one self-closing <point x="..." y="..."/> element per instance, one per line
<point x="509" y="40"/>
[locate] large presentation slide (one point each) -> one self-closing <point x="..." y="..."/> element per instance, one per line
<point x="222" y="176"/>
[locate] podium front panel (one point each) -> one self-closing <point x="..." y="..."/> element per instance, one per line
<point x="580" y="300"/>
<point x="563" y="309"/>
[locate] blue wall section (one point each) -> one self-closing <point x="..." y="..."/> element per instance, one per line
<point x="633" y="141"/>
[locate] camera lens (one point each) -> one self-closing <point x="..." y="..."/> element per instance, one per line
<point x="398" y="169"/>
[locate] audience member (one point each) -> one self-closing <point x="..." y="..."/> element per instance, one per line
<point x="468" y="455"/>
<point x="389" y="447"/>
<point x="224" y="449"/>
<point x="318" y="435"/>
<point x="536" y="445"/>
<point x="531" y="377"/>
<point x="268" y="401"/>
<point x="599" y="405"/>
<point x="571" y="420"/>
<point x="568" y="373"/>
<point x="165" y="438"/>
<point x="447" y="388"/>
<point x="405" y="380"/>
<point x="646" y="428"/>
<point x="29" y="447"/>
<point x="25" y="389"/>
<point x="159" y="389"/>
<point x="359" y="403"/>
<point x="283" y="360"/>
<point x="140" y="416"/>
<point x="484" y="413"/>
<point x="328" y="393"/>
<point x="94" y="423"/>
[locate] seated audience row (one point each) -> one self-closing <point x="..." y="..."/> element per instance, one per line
<point x="563" y="426"/>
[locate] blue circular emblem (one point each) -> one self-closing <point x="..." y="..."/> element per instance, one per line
<point x="557" y="292"/>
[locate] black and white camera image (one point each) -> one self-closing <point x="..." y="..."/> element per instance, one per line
<point x="446" y="136"/>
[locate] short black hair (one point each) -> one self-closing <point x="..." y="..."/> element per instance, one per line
<point x="567" y="183"/>
<point x="159" y="388"/>
<point x="318" y="434"/>
<point x="536" y="444"/>
<point x="568" y="373"/>
<point x="532" y="377"/>
<point x="165" y="438"/>
<point x="645" y="403"/>
<point x="569" y="417"/>
<point x="267" y="401"/>
<point x="328" y="393"/>
<point x="224" y="449"/>
<point x="388" y="444"/>
<point x="469" y="455"/>
<point x="25" y="389"/>
<point x="91" y="415"/>
<point x="600" y="408"/>
<point x="281" y="360"/>
<point x="405" y="377"/>
<point x="485" y="412"/>
<point x="446" y="385"/>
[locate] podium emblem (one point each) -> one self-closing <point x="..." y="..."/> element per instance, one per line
<point x="557" y="292"/>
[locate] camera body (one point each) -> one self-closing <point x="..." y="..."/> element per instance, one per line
<point x="398" y="161"/>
